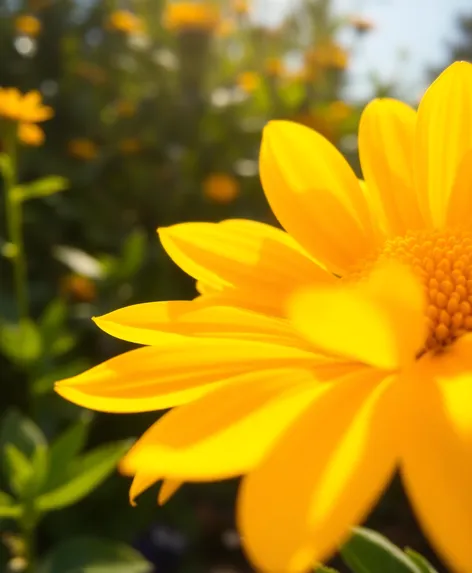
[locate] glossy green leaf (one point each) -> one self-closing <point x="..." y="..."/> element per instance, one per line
<point x="40" y="188"/>
<point x="84" y="475"/>
<point x="367" y="551"/>
<point x="92" y="555"/>
<point x="8" y="507"/>
<point x="424" y="565"/>
<point x="20" y="342"/>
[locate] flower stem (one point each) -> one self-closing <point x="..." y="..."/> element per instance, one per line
<point x="15" y="226"/>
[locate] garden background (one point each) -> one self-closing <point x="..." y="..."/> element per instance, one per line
<point x="158" y="111"/>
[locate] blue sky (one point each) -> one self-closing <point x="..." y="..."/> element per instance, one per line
<point x="409" y="36"/>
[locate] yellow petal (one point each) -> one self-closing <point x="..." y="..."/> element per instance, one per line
<point x="147" y="323"/>
<point x="144" y="480"/>
<point x="315" y="195"/>
<point x="256" y="258"/>
<point x="444" y="137"/>
<point x="378" y="321"/>
<point x="437" y="450"/>
<point x="322" y="476"/>
<point x="386" y="148"/>
<point x="226" y="432"/>
<point x="168" y="488"/>
<point x="459" y="209"/>
<point x="174" y="372"/>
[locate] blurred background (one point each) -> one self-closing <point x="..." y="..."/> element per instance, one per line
<point x="158" y="111"/>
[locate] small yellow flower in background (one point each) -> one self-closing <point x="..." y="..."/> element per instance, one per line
<point x="221" y="188"/>
<point x="79" y="288"/>
<point x="338" y="111"/>
<point x="319" y="360"/>
<point x="274" y="67"/>
<point x="27" y="108"/>
<point x="30" y="134"/>
<point x="82" y="148"/>
<point x="28" y="25"/>
<point x="225" y="28"/>
<point x="125" y="108"/>
<point x="328" y="56"/>
<point x="360" y="24"/>
<point x="180" y="16"/>
<point x="319" y="122"/>
<point x="248" y="81"/>
<point x="240" y="6"/>
<point x="125" y="21"/>
<point x="129" y="146"/>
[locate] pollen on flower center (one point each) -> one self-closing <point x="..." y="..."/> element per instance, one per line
<point x="443" y="262"/>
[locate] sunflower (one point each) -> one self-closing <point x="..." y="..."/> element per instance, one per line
<point x="318" y="361"/>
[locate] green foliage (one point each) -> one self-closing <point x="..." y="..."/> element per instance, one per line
<point x="369" y="552"/>
<point x="421" y="562"/>
<point x="40" y="188"/>
<point x="92" y="555"/>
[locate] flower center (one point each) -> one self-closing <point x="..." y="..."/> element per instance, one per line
<point x="443" y="262"/>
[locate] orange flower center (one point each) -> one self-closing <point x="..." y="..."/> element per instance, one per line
<point x="443" y="262"/>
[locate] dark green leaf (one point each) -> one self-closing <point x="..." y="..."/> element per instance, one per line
<point x="19" y="430"/>
<point x="21" y="342"/>
<point x="6" y="166"/>
<point x="84" y="475"/>
<point x="40" y="188"/>
<point x="423" y="564"/>
<point x="64" y="449"/>
<point x="369" y="552"/>
<point x="132" y="254"/>
<point x="18" y="469"/>
<point x="52" y="320"/>
<point x="92" y="555"/>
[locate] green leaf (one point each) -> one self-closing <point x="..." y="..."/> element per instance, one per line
<point x="18" y="468"/>
<point x="84" y="475"/>
<point x="19" y="430"/>
<point x="423" y="564"/>
<point x="92" y="555"/>
<point x="6" y="167"/>
<point x="132" y="254"/>
<point x="8" y="507"/>
<point x="40" y="188"/>
<point x="20" y="342"/>
<point x="79" y="261"/>
<point x="324" y="569"/>
<point x="369" y="552"/>
<point x="53" y="318"/>
<point x="64" y="449"/>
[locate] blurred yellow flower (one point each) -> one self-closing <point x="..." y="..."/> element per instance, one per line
<point x="27" y="108"/>
<point x="79" y="288"/>
<point x="82" y="148"/>
<point x="30" y="134"/>
<point x="225" y="28"/>
<point x="248" y="81"/>
<point x="125" y="108"/>
<point x="320" y="360"/>
<point x="28" y="25"/>
<point x="338" y="111"/>
<point x="274" y="67"/>
<point x="361" y="24"/>
<point x="186" y="15"/>
<point x="129" y="146"/>
<point x="240" y="6"/>
<point x="319" y="122"/>
<point x="221" y="188"/>
<point x="125" y="21"/>
<point x="327" y="55"/>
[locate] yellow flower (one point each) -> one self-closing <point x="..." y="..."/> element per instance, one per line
<point x="27" y="108"/>
<point x="360" y="24"/>
<point x="221" y="188"/>
<point x="203" y="15"/>
<point x="82" y="148"/>
<point x="248" y="81"/>
<point x="30" y="134"/>
<point x="317" y="388"/>
<point x="79" y="288"/>
<point x="28" y="25"/>
<point x="129" y="146"/>
<point x="329" y="55"/>
<point x="240" y="6"/>
<point x="274" y="66"/>
<point x="125" y="21"/>
<point x="225" y="28"/>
